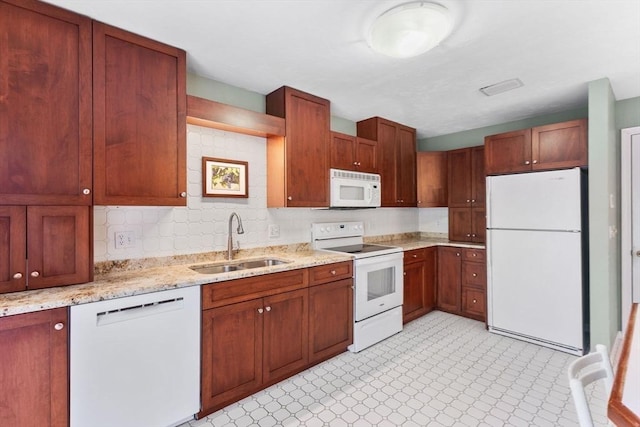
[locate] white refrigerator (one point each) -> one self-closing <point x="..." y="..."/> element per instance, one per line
<point x="537" y="259"/>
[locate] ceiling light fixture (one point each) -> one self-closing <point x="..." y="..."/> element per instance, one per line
<point x="501" y="87"/>
<point x="410" y="29"/>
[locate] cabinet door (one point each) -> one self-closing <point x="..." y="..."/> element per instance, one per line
<point x="459" y="182"/>
<point x="431" y="178"/>
<point x="508" y="152"/>
<point x="231" y="353"/>
<point x="330" y="319"/>
<point x="367" y="155"/>
<point x="45" y="105"/>
<point x="343" y="148"/>
<point x="13" y="249"/>
<point x="139" y="108"/>
<point x="478" y="178"/>
<point x="286" y="334"/>
<point x="460" y="224"/>
<point x="478" y="225"/>
<point x="58" y="245"/>
<point x="406" y="166"/>
<point x="449" y="278"/>
<point x="387" y="137"/>
<point x="34" y="384"/>
<point x="414" y="297"/>
<point x="560" y="145"/>
<point x="474" y="303"/>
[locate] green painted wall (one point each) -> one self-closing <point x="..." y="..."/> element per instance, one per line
<point x="627" y="113"/>
<point x="473" y="137"/>
<point x="604" y="188"/>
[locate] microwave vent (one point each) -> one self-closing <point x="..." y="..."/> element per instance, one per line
<point x="337" y="173"/>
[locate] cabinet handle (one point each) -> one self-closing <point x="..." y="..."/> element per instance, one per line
<point x="333" y="272"/>
<point x="475" y="301"/>
<point x="355" y="163"/>
<point x="468" y="201"/>
<point x="474" y="254"/>
<point x="475" y="274"/>
<point x="473" y="200"/>
<point x="468" y="235"/>
<point x="183" y="194"/>
<point x="58" y="326"/>
<point x="535" y="161"/>
<point x="267" y="308"/>
<point x="404" y="273"/>
<point x="527" y="162"/>
<point x="473" y="235"/>
<point x="359" y="164"/>
<point x="17" y="276"/>
<point x="415" y="256"/>
<point x="289" y="198"/>
<point x="35" y="274"/>
<point x="260" y="311"/>
<point x="457" y="253"/>
<point x="86" y="191"/>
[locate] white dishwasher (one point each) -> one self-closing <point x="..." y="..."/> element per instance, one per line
<point x="135" y="361"/>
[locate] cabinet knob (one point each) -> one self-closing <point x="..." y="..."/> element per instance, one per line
<point x="468" y="235"/>
<point x="355" y="163"/>
<point x="86" y="191"/>
<point x="475" y="274"/>
<point x="468" y="201"/>
<point x="457" y="253"/>
<point x="473" y="200"/>
<point x="260" y="311"/>
<point x="35" y="274"/>
<point x="474" y="254"/>
<point x="415" y="256"/>
<point x="333" y="272"/>
<point x="58" y="326"/>
<point x="527" y="162"/>
<point x="267" y="308"/>
<point x="17" y="276"/>
<point x="473" y="235"/>
<point x="359" y="164"/>
<point x="289" y="198"/>
<point x="475" y="301"/>
<point x="183" y="194"/>
<point x="535" y="161"/>
<point x="404" y="273"/>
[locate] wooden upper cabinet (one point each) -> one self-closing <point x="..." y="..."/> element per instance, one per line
<point x="13" y="249"/>
<point x="508" y="152"/>
<point x="139" y="107"/>
<point x="467" y="193"/>
<point x="397" y="154"/>
<point x="560" y="145"/>
<point x="353" y="153"/>
<point x="45" y="105"/>
<point x="298" y="163"/>
<point x="34" y="368"/>
<point x="555" y="146"/>
<point x="431" y="179"/>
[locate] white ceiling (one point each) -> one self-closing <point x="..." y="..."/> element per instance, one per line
<point x="319" y="46"/>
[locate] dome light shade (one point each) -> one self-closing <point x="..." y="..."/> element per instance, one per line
<point x="410" y="29"/>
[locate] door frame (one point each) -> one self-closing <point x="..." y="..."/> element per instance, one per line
<point x="627" y="293"/>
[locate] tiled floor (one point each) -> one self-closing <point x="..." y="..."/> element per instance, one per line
<point x="441" y="370"/>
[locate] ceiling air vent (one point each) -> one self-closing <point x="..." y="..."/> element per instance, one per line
<point x="504" y="86"/>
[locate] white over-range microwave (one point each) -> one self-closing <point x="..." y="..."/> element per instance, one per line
<point x="354" y="189"/>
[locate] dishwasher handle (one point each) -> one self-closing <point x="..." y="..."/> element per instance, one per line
<point x="139" y="311"/>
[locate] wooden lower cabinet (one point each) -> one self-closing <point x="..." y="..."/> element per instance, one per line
<point x="249" y="344"/>
<point x="260" y="330"/>
<point x="419" y="283"/>
<point x="34" y="373"/>
<point x="462" y="282"/>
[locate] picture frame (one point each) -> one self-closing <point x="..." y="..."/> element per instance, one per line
<point x="225" y="178"/>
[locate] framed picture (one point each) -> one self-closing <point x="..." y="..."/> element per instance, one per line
<point x="224" y="178"/>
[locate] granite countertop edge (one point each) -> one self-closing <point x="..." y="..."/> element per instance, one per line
<point x="125" y="278"/>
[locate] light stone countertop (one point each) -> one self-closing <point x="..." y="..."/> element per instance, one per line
<point x="117" y="279"/>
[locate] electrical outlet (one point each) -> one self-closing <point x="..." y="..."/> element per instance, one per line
<point x="124" y="239"/>
<point x="274" y="231"/>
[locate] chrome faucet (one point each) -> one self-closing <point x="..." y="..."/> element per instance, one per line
<point x="240" y="230"/>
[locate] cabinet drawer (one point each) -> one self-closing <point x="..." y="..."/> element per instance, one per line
<point x="474" y="274"/>
<point x="473" y="255"/>
<point x="474" y="302"/>
<point x="415" y="255"/>
<point x="330" y="272"/>
<point x="233" y="291"/>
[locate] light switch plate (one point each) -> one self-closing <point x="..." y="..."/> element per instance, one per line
<point x="274" y="231"/>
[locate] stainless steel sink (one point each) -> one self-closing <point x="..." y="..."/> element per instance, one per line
<point x="225" y="267"/>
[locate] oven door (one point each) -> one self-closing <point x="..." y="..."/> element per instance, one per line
<point x="378" y="284"/>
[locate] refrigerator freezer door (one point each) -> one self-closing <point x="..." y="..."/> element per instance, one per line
<point x="535" y="201"/>
<point x="535" y="285"/>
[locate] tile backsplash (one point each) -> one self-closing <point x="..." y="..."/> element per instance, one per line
<point x="202" y="225"/>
